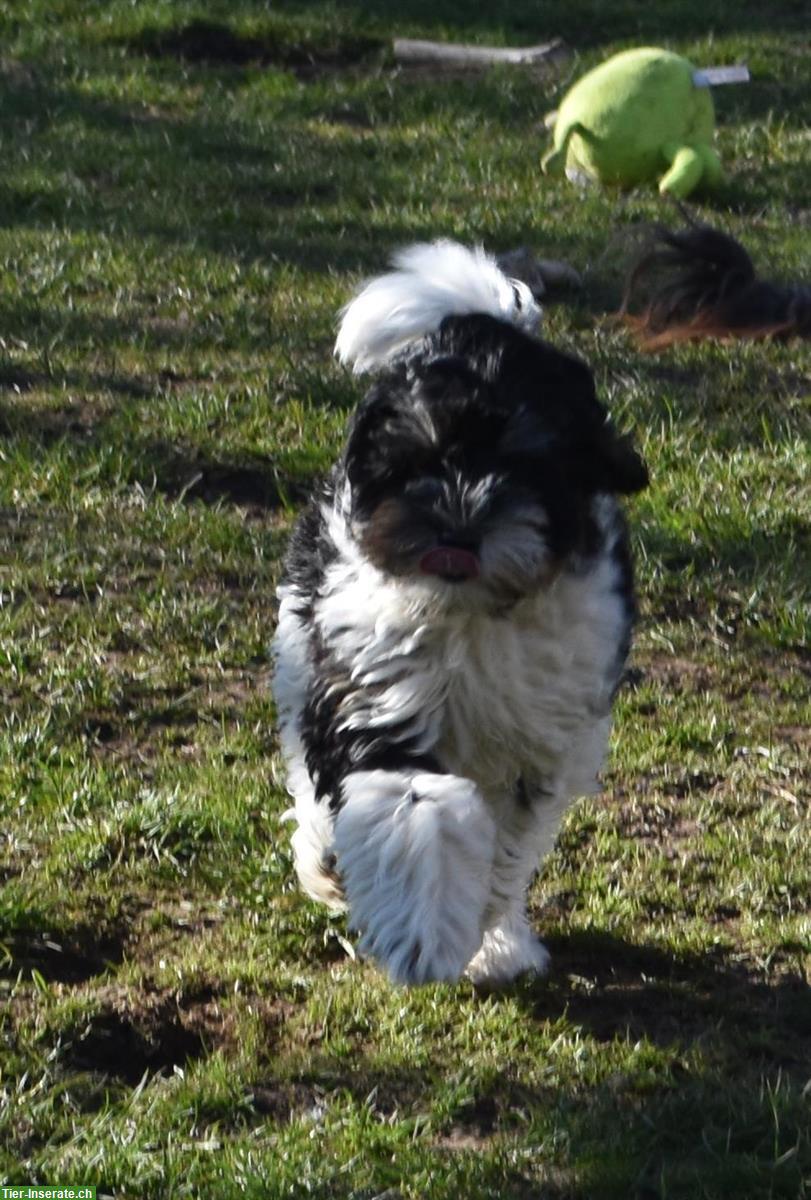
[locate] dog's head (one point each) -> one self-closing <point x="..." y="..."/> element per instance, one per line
<point x="473" y="463"/>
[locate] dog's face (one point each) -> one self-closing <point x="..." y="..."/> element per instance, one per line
<point x="472" y="466"/>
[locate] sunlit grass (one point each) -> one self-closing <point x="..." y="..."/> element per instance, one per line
<point x="176" y="238"/>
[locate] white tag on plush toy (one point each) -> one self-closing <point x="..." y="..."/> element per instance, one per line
<point x="712" y="76"/>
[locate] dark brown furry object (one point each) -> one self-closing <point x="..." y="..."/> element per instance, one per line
<point x="701" y="283"/>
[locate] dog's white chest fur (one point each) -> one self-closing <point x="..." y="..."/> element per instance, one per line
<point x="526" y="693"/>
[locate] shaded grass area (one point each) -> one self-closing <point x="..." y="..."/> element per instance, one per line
<point x="180" y="220"/>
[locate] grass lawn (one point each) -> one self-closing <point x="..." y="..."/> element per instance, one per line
<point x="181" y="215"/>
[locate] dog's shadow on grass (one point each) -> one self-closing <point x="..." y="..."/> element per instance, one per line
<point x="612" y="988"/>
<point x="713" y="1094"/>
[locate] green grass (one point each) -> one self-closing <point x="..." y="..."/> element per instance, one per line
<point x="176" y="238"/>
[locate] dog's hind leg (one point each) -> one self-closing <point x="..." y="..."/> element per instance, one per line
<point x="509" y="948"/>
<point x="526" y="834"/>
<point x="415" y="854"/>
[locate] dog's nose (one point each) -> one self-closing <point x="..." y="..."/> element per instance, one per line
<point x="459" y="539"/>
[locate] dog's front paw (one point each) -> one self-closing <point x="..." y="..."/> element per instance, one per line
<point x="508" y="950"/>
<point x="415" y="854"/>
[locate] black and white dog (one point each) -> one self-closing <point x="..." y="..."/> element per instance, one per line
<point x="454" y="619"/>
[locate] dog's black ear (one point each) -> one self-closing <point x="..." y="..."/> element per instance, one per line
<point x="360" y="435"/>
<point x="605" y="460"/>
<point x="382" y="441"/>
<point x="610" y="463"/>
<point x="364" y="455"/>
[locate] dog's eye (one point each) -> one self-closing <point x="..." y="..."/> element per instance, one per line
<point x="425" y="490"/>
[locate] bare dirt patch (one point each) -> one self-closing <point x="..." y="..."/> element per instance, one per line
<point x="158" y="1030"/>
<point x="19" y="379"/>
<point x="474" y="1124"/>
<point x="765" y="676"/>
<point x="65" y="956"/>
<point x="191" y="475"/>
<point x="284" y="1101"/>
<point x="799" y="734"/>
<point x="652" y="822"/>
<point x="130" y="1037"/>
<point x="145" y="717"/>
<point x="675" y="674"/>
<point x="212" y="43"/>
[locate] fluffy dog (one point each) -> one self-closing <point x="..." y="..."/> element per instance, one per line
<point x="454" y="619"/>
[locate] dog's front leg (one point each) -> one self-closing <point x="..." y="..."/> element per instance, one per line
<point x="415" y="854"/>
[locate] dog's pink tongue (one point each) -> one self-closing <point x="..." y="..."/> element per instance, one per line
<point x="450" y="562"/>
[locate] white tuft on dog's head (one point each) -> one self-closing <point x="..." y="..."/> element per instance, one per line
<point x="432" y="280"/>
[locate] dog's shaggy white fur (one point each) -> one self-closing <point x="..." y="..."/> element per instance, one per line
<point x="453" y="622"/>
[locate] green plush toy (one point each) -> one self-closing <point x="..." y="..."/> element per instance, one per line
<point x="639" y="116"/>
